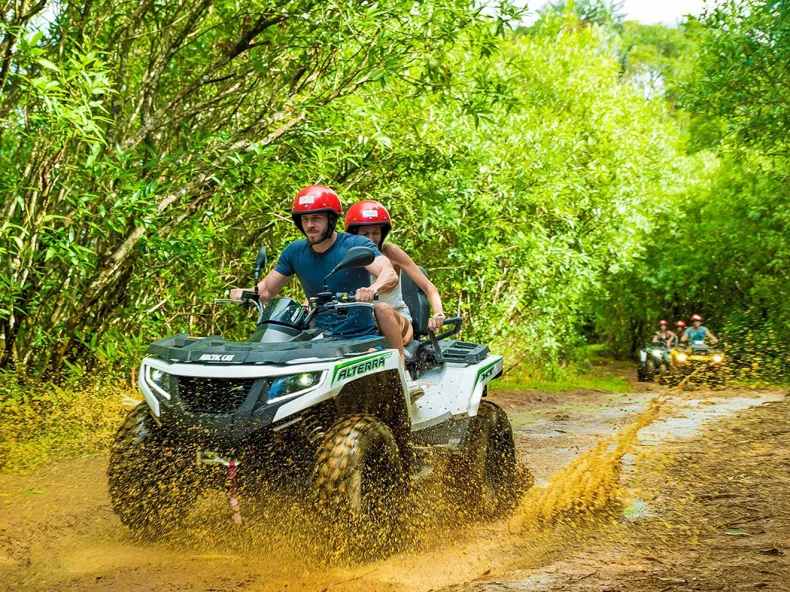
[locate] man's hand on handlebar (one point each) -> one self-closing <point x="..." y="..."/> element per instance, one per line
<point x="244" y="294"/>
<point x="365" y="295"/>
<point x="236" y="293"/>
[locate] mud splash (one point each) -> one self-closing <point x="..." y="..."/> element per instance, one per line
<point x="587" y="485"/>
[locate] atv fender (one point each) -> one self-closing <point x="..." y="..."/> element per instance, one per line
<point x="479" y="375"/>
<point x="150" y="399"/>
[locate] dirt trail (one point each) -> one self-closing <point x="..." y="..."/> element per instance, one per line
<point x="57" y="531"/>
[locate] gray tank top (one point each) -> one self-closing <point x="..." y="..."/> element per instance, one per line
<point x="395" y="300"/>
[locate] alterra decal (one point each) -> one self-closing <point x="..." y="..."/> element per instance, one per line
<point x="352" y="369"/>
<point x="217" y="357"/>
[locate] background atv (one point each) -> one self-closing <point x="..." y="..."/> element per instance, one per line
<point x="705" y="364"/>
<point x="653" y="362"/>
<point x="334" y="420"/>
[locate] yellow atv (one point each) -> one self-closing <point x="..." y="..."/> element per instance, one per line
<point x="704" y="363"/>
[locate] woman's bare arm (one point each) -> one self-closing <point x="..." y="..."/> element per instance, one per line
<point x="401" y="259"/>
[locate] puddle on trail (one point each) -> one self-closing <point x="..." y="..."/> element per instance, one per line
<point x="89" y="550"/>
<point x="594" y="484"/>
<point x="689" y="417"/>
<point x="593" y="481"/>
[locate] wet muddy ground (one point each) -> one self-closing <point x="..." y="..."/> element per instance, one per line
<point x="705" y="506"/>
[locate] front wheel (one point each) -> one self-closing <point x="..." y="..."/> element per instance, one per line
<point x="149" y="483"/>
<point x="650" y="371"/>
<point x="359" y="488"/>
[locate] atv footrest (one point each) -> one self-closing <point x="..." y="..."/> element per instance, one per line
<point x="463" y="353"/>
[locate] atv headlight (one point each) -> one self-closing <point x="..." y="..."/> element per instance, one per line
<point x="657" y="352"/>
<point x="160" y="381"/>
<point x="294" y="384"/>
<point x="717" y="358"/>
<point x="682" y="357"/>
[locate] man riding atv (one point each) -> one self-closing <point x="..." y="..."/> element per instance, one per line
<point x="315" y="212"/>
<point x="315" y="403"/>
<point x="693" y="356"/>
<point x="697" y="333"/>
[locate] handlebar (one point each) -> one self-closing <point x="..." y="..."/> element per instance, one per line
<point x="456" y="322"/>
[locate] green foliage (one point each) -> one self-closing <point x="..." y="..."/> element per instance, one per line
<point x="520" y="172"/>
<point x="743" y="73"/>
<point x="721" y="248"/>
<point x="129" y="131"/>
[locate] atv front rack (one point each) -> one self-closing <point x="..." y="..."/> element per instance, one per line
<point x="215" y="350"/>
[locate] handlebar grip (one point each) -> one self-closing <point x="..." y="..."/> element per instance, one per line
<point x="248" y="295"/>
<point x="346" y="297"/>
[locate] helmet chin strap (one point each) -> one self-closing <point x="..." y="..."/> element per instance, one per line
<point x="330" y="228"/>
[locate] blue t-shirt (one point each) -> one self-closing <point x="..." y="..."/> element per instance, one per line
<point x="697" y="334"/>
<point x="311" y="268"/>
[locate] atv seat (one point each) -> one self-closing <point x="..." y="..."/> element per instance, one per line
<point x="417" y="301"/>
<point x="420" y="353"/>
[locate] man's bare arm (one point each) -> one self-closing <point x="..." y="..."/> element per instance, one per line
<point x="386" y="279"/>
<point x="269" y="287"/>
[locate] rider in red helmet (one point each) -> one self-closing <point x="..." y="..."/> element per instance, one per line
<point x="371" y="219"/>
<point x="664" y="336"/>
<point x="681" y="327"/>
<point x="315" y="212"/>
<point x="697" y="333"/>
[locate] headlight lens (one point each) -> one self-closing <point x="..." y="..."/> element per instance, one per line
<point x="658" y="352"/>
<point x="161" y="379"/>
<point x="157" y="376"/>
<point x="682" y="357"/>
<point x="292" y="384"/>
<point x="717" y="358"/>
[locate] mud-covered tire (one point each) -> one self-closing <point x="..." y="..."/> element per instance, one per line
<point x="149" y="480"/>
<point x="640" y="374"/>
<point x="359" y="489"/>
<point x="489" y="479"/>
<point x="650" y="371"/>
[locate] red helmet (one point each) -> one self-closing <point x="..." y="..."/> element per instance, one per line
<point x="368" y="213"/>
<point x="313" y="199"/>
<point x="680" y="324"/>
<point x="662" y="322"/>
<point x="696" y="317"/>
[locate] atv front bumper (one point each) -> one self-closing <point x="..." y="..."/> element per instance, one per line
<point x="216" y="407"/>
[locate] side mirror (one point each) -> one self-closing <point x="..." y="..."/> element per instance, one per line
<point x="260" y="263"/>
<point x="354" y="257"/>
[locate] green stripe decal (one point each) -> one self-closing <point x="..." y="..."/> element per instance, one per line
<point x="359" y="366"/>
<point x="485" y="373"/>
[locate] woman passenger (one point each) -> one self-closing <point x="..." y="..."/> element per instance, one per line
<point x="370" y="219"/>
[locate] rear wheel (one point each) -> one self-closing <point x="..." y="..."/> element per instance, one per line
<point x="359" y="487"/>
<point x="490" y="479"/>
<point x="149" y="480"/>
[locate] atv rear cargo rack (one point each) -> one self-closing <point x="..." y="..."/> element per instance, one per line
<point x="460" y="352"/>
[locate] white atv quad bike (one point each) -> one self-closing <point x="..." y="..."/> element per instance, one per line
<point x="336" y="418"/>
